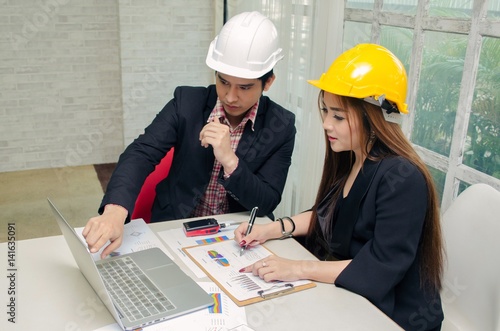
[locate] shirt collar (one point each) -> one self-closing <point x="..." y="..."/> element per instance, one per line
<point x="218" y="111"/>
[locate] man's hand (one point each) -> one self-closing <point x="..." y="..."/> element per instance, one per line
<point x="217" y="135"/>
<point x="108" y="226"/>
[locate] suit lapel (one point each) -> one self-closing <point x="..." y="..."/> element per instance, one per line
<point x="208" y="152"/>
<point x="247" y="148"/>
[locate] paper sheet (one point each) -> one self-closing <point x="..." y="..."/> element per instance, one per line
<point x="176" y="239"/>
<point x="137" y="236"/>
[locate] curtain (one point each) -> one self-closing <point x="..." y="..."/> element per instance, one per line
<point x="310" y="34"/>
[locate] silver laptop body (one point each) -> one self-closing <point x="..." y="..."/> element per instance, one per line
<point x="171" y="292"/>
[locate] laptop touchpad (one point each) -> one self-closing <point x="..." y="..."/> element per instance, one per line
<point x="167" y="276"/>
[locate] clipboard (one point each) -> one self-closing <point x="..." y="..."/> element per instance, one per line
<point x="249" y="289"/>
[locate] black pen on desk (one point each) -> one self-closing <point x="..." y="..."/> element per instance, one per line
<point x="253" y="214"/>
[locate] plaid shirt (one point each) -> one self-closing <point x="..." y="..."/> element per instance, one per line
<point x="214" y="201"/>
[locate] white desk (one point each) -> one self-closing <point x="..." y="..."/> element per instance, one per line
<point x="52" y="294"/>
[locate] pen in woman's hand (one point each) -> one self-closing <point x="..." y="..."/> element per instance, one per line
<point x="253" y="214"/>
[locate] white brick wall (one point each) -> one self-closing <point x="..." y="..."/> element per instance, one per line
<point x="163" y="45"/>
<point x="80" y="79"/>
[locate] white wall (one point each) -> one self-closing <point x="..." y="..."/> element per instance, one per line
<point x="80" y="79"/>
<point x="163" y="45"/>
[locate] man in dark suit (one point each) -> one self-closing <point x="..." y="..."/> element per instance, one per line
<point x="233" y="146"/>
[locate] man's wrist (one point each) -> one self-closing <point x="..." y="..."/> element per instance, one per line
<point x="229" y="170"/>
<point x="115" y="208"/>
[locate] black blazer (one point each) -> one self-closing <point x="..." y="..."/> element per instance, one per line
<point x="384" y="242"/>
<point x="264" y="158"/>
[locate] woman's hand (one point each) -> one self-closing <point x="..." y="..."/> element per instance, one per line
<point x="273" y="268"/>
<point x="259" y="235"/>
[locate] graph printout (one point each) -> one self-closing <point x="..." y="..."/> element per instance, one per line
<point x="222" y="261"/>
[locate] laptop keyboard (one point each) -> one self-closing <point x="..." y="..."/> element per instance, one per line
<point x="132" y="291"/>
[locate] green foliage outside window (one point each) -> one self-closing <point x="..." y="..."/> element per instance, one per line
<point x="438" y="96"/>
<point x="438" y="91"/>
<point x="482" y="150"/>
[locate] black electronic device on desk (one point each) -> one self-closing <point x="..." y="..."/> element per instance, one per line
<point x="201" y="227"/>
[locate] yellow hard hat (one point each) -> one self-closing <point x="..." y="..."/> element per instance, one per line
<point x="367" y="71"/>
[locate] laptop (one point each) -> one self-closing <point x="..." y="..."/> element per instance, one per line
<point x="167" y="291"/>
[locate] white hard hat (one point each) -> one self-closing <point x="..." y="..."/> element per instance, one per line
<point x="246" y="47"/>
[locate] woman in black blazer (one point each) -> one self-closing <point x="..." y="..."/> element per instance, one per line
<point x="375" y="224"/>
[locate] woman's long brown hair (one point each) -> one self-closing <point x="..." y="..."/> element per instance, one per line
<point x="389" y="140"/>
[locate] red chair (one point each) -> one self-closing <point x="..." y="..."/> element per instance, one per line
<point x="146" y="196"/>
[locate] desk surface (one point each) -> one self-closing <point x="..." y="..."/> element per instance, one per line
<point x="52" y="294"/>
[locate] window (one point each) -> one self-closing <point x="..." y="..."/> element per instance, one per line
<point x="451" y="50"/>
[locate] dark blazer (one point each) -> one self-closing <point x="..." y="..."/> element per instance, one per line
<point x="385" y="238"/>
<point x="264" y="158"/>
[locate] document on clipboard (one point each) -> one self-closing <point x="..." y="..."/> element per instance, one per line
<point x="221" y="261"/>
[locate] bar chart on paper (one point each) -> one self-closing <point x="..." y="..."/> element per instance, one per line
<point x="211" y="240"/>
<point x="245" y="282"/>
